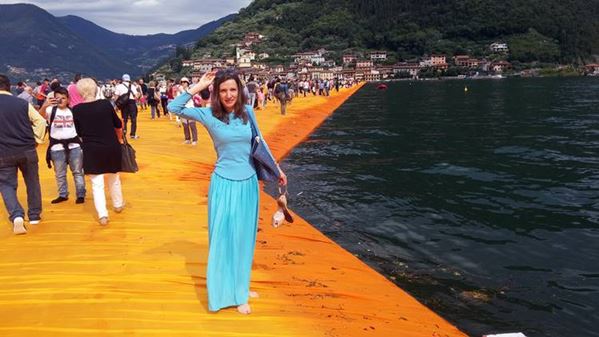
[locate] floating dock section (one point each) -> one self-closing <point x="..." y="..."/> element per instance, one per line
<point x="144" y="273"/>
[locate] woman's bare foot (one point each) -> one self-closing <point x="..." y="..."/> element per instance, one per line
<point x="244" y="309"/>
<point x="254" y="294"/>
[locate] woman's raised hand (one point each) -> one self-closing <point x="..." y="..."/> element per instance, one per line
<point x="203" y="83"/>
<point x="207" y="79"/>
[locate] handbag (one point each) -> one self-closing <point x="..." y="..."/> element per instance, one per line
<point x="128" y="162"/>
<point x="264" y="163"/>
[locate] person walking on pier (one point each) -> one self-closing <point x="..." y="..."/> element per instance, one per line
<point x="96" y="122"/>
<point x="234" y="191"/>
<point x="22" y="129"/>
<point x="190" y="130"/>
<point x="282" y="94"/>
<point x="130" y="109"/>
<point x="65" y="146"/>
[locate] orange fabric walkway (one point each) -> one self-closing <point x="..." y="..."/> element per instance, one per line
<point x="144" y="274"/>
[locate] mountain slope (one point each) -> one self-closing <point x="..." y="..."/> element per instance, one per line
<point x="36" y="44"/>
<point x="563" y="31"/>
<point x="32" y="38"/>
<point x="143" y="51"/>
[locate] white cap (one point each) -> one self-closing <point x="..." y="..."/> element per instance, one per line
<point x="126" y="77"/>
<point x="184" y="79"/>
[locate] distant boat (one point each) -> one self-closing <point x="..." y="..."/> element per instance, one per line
<point x="382" y="86"/>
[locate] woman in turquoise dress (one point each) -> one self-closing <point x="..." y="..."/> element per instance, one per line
<point x="234" y="192"/>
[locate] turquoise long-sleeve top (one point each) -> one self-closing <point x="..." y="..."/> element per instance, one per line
<point x="232" y="141"/>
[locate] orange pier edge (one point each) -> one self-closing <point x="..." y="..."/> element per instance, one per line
<point x="144" y="274"/>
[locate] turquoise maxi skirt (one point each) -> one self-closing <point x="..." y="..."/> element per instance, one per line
<point x="232" y="227"/>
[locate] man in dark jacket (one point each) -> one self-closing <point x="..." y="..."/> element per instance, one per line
<point x="22" y="129"/>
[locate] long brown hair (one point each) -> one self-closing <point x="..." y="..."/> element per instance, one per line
<point x="218" y="110"/>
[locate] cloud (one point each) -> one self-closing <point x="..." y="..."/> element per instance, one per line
<point x="142" y="17"/>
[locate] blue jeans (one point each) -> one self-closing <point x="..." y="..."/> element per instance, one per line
<point x="60" y="170"/>
<point x="27" y="162"/>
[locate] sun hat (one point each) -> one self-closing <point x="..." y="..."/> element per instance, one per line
<point x="126" y="77"/>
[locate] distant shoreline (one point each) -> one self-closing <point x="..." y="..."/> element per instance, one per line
<point x="455" y="78"/>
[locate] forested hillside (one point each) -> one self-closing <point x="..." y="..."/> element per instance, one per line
<point x="565" y="31"/>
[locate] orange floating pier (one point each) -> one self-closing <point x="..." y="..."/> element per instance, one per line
<point x="144" y="274"/>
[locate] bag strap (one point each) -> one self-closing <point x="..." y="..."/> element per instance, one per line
<point x="253" y="125"/>
<point x="52" y="116"/>
<point x="125" y="138"/>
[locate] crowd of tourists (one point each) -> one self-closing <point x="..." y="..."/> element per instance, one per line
<point x="54" y="105"/>
<point x="86" y="136"/>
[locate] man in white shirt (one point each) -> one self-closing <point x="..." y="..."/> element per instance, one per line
<point x="65" y="146"/>
<point x="130" y="109"/>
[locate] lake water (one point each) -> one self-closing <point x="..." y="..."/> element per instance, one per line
<point x="483" y="204"/>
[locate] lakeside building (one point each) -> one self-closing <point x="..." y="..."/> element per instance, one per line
<point x="349" y="58"/>
<point x="364" y="64"/>
<point x="372" y="75"/>
<point x="411" y="68"/>
<point x="466" y="61"/>
<point x="500" y="66"/>
<point x="244" y="62"/>
<point x="251" y="38"/>
<point x="385" y="72"/>
<point x="592" y="69"/>
<point x="206" y="64"/>
<point x="377" y="56"/>
<point x="499" y="47"/>
<point x="314" y="57"/>
<point x="439" y="62"/>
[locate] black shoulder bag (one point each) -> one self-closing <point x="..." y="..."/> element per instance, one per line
<point x="264" y="163"/>
<point x="128" y="162"/>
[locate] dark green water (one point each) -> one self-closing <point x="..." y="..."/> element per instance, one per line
<point x="482" y="204"/>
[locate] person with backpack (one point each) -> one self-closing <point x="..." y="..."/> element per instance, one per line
<point x="153" y="99"/>
<point x="65" y="146"/>
<point x="127" y="92"/>
<point x="252" y="87"/>
<point x="282" y="93"/>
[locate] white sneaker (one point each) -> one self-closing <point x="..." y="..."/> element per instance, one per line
<point x="187" y="142"/>
<point x="194" y="143"/>
<point x="34" y="222"/>
<point x="18" y="227"/>
<point x="103" y="221"/>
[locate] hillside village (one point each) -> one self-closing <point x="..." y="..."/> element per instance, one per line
<point x="369" y="66"/>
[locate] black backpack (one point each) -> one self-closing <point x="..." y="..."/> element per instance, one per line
<point x="122" y="101"/>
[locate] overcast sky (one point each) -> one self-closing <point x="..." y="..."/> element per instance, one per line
<point x="142" y="17"/>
